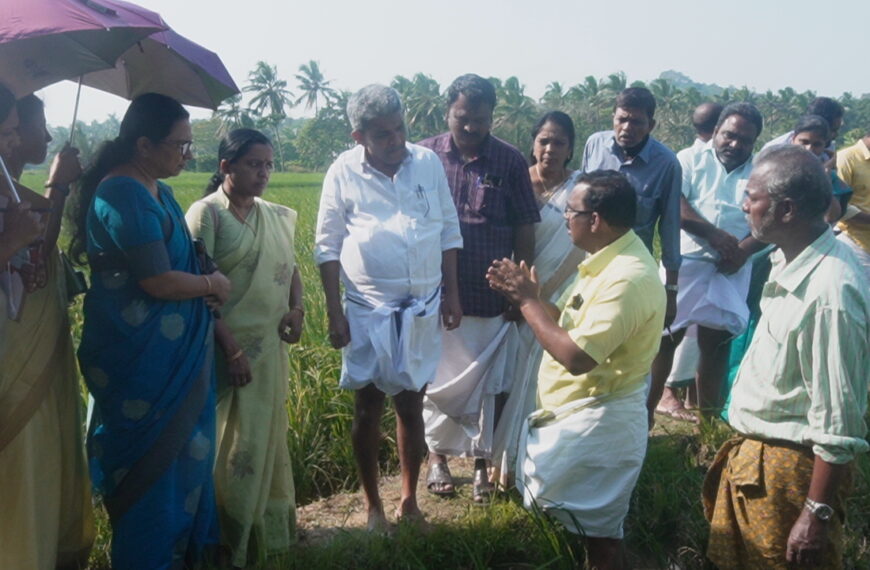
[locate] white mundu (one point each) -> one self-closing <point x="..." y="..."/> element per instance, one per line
<point x="388" y="235"/>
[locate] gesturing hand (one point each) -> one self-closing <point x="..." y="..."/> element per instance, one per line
<point x="516" y="282"/>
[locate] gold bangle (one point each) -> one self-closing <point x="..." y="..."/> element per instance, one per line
<point x="236" y="356"/>
<point x="208" y="285"/>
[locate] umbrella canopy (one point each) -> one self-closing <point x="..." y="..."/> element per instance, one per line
<point x="45" y="41"/>
<point x="172" y="65"/>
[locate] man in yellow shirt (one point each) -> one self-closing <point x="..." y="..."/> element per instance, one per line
<point x="853" y="166"/>
<point x="584" y="448"/>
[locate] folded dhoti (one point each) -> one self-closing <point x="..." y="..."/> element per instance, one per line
<point x="459" y="406"/>
<point x="395" y="346"/>
<point x="580" y="462"/>
<point x="712" y="299"/>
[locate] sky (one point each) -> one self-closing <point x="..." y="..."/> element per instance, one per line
<point x="762" y="44"/>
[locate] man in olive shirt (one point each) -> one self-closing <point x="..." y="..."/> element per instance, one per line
<point x="775" y="494"/>
<point x="592" y="379"/>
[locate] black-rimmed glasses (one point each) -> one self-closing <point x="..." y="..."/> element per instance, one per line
<point x="571" y="212"/>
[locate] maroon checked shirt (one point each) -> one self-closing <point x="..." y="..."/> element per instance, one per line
<point x="493" y="195"/>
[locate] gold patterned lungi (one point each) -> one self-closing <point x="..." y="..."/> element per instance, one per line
<point x="753" y="494"/>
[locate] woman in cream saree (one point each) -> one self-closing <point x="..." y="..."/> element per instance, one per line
<point x="252" y="242"/>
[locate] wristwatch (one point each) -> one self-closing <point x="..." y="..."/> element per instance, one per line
<point x="822" y="511"/>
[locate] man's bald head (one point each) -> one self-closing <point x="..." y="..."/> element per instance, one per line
<point x="792" y="173"/>
<point x="704" y="119"/>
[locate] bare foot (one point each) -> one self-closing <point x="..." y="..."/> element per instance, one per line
<point x="409" y="513"/>
<point x="377" y="522"/>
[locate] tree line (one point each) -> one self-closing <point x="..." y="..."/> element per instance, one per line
<point x="311" y="144"/>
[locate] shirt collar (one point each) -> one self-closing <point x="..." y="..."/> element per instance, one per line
<point x="595" y="263"/>
<point x="793" y="274"/>
<point x="643" y="154"/>
<point x="448" y="146"/>
<point x="865" y="152"/>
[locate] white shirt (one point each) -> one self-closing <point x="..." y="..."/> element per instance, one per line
<point x="687" y="155"/>
<point x="387" y="233"/>
<point x="717" y="195"/>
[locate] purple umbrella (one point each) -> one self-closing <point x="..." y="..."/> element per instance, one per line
<point x="45" y="41"/>
<point x="172" y="65"/>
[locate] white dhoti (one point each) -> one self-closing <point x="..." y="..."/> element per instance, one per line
<point x="712" y="299"/>
<point x="521" y="402"/>
<point x="581" y="462"/>
<point x="685" y="360"/>
<point x="459" y="407"/>
<point x="395" y="346"/>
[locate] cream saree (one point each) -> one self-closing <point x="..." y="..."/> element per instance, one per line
<point x="45" y="493"/>
<point x="253" y="474"/>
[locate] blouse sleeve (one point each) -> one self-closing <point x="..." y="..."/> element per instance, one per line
<point x="134" y="222"/>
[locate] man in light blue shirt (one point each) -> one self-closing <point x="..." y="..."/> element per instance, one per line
<point x="654" y="172"/>
<point x="715" y="245"/>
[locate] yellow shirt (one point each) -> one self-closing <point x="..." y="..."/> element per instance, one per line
<point x="614" y="311"/>
<point x="853" y="167"/>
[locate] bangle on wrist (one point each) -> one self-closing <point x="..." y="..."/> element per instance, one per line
<point x="672" y="288"/>
<point x="208" y="285"/>
<point x="236" y="356"/>
<point x="297" y="308"/>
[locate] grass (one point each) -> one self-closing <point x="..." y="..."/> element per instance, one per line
<point x="665" y="527"/>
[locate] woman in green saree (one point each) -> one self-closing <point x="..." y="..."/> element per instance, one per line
<point x="252" y="242"/>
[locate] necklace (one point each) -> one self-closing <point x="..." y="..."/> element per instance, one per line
<point x="238" y="215"/>
<point x="548" y="191"/>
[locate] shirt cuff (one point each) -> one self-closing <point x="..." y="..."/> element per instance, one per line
<point x="148" y="260"/>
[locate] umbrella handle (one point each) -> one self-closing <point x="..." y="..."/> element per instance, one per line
<point x="12" y="190"/>
<point x="72" y="128"/>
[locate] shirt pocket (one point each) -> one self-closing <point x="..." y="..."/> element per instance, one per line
<point x="490" y="202"/>
<point x="646" y="206"/>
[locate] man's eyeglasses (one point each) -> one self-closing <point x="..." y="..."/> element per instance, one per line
<point x="571" y="212"/>
<point x="185" y="147"/>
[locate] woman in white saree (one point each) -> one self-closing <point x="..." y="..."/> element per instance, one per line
<point x="556" y="260"/>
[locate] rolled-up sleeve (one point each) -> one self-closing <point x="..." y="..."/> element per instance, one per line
<point x="331" y="219"/>
<point x="837" y="377"/>
<point x="669" y="224"/>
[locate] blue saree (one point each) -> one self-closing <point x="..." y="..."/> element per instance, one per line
<point x="149" y="365"/>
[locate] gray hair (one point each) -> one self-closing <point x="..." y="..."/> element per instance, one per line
<point x="371" y="102"/>
<point x="796" y="174"/>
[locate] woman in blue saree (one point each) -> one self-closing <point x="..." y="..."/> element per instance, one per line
<point x="147" y="344"/>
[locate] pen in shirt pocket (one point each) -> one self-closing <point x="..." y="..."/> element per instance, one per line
<point x="421" y="194"/>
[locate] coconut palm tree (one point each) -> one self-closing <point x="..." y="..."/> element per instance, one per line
<point x="424" y="105"/>
<point x="232" y="115"/>
<point x="313" y="85"/>
<point x="515" y="112"/>
<point x="270" y="101"/>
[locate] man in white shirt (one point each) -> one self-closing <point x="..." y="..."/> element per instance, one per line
<point x="704" y="120"/>
<point x="388" y="230"/>
<point x="715" y="245"/>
